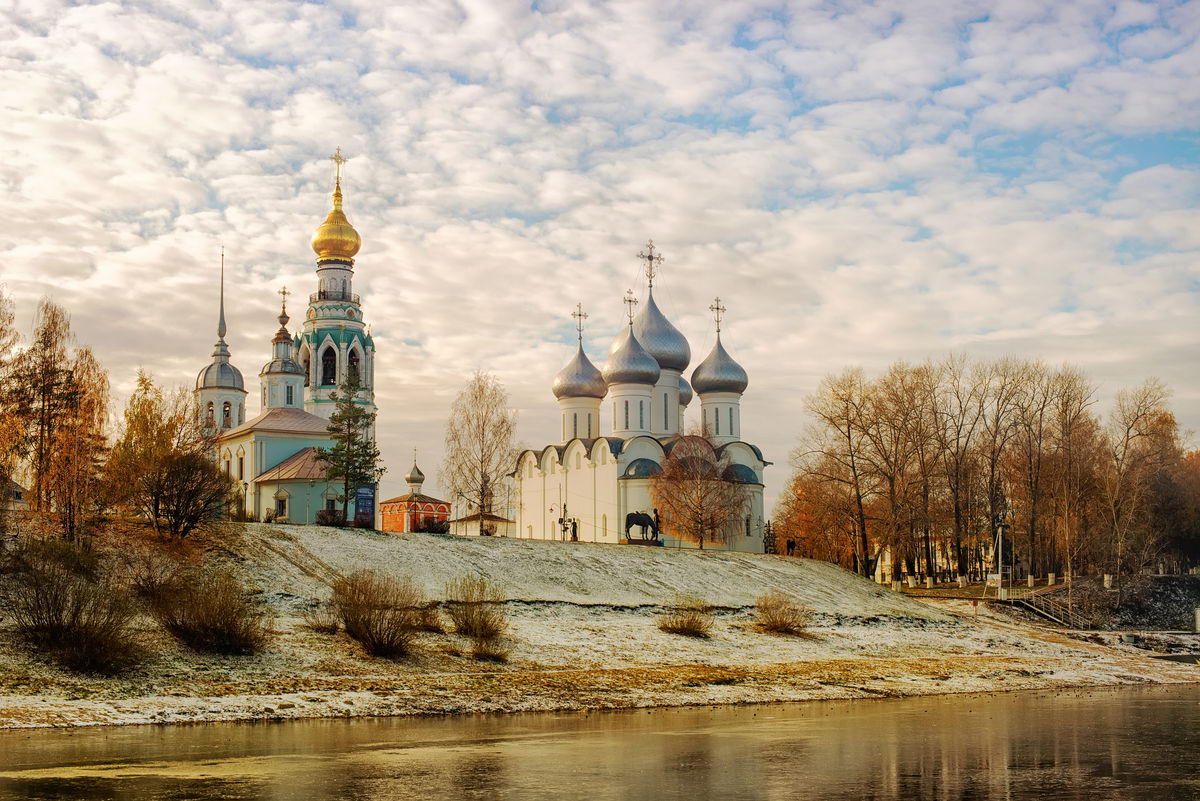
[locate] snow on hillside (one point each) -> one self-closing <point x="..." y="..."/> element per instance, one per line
<point x="577" y="573"/>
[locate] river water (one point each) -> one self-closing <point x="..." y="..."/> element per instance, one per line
<point x="1095" y="744"/>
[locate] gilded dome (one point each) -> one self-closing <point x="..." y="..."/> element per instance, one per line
<point x="719" y="373"/>
<point x="661" y="339"/>
<point x="336" y="238"/>
<point x="579" y="379"/>
<point x="629" y="363"/>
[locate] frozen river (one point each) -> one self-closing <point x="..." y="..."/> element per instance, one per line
<point x="1098" y="744"/>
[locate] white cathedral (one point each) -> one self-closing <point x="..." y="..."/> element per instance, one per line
<point x="272" y="456"/>
<point x="619" y="424"/>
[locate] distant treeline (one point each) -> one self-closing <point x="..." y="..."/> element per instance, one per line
<point x="927" y="462"/>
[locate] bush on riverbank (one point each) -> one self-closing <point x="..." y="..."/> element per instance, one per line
<point x="779" y="613"/>
<point x="66" y="605"/>
<point x="689" y="616"/>
<point x="211" y="611"/>
<point x="475" y="606"/>
<point x="381" y="613"/>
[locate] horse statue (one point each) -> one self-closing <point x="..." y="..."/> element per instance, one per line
<point x="643" y="520"/>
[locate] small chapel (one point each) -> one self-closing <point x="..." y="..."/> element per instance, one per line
<point x="619" y="423"/>
<point x="272" y="456"/>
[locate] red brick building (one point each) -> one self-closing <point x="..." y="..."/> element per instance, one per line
<point x="413" y="511"/>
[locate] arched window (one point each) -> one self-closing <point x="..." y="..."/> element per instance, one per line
<point x="328" y="368"/>
<point x="210" y="412"/>
<point x="354" y="364"/>
<point x="304" y="360"/>
<point x="227" y="415"/>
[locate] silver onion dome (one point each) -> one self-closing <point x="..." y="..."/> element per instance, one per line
<point x="579" y="379"/>
<point x="661" y="339"/>
<point x="414" y="476"/>
<point x="719" y="373"/>
<point x="685" y="392"/>
<point x="629" y="363"/>
<point x="220" y="373"/>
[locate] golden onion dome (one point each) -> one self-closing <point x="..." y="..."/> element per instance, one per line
<point x="336" y="237"/>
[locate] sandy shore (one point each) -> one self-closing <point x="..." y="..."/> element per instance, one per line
<point x="582" y="635"/>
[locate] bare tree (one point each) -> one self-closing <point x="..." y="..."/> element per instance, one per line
<point x="10" y="423"/>
<point x="1032" y="418"/>
<point x="835" y="451"/>
<point x="479" y="444"/>
<point x="959" y="405"/>
<point x="1073" y="427"/>
<point x="695" y="495"/>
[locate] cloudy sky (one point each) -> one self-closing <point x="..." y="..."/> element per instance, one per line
<point x="859" y="183"/>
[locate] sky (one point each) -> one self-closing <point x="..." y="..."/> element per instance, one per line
<point x="858" y="182"/>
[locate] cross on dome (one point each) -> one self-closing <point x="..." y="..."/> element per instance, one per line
<point x="718" y="310"/>
<point x="338" y="159"/>
<point x="284" y="294"/>
<point x="630" y="301"/>
<point x="653" y="261"/>
<point x="579" y="316"/>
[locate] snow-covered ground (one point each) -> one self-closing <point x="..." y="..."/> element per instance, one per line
<point x="582" y="634"/>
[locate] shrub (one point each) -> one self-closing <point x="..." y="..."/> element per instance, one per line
<point x="381" y="613"/>
<point x="489" y="650"/>
<point x="779" y="613"/>
<point x="64" y="605"/>
<point x="331" y="517"/>
<point x="150" y="569"/>
<point x="210" y="610"/>
<point x="476" y="607"/>
<point x="321" y="617"/>
<point x="689" y="616"/>
<point x="429" y="619"/>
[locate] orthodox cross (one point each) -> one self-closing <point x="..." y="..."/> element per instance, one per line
<point x="414" y="457"/>
<point x="338" y="159"/>
<point x="717" y="309"/>
<point x="579" y="316"/>
<point x="284" y="294"/>
<point x="630" y="301"/>
<point x="653" y="261"/>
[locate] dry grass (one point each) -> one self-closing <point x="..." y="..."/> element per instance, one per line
<point x="489" y="650"/>
<point x="211" y="611"/>
<point x="383" y="614"/>
<point x="321" y="617"/>
<point x="476" y="607"/>
<point x="65" y="603"/>
<point x="779" y="613"/>
<point x="689" y="616"/>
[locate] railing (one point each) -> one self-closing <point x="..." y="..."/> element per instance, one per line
<point x="331" y="294"/>
<point x="1048" y="607"/>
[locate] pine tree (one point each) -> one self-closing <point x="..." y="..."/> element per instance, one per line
<point x="354" y="458"/>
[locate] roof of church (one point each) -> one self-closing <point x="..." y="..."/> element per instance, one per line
<point x="416" y="497"/>
<point x="487" y="516"/>
<point x="283" y="421"/>
<point x="301" y="465"/>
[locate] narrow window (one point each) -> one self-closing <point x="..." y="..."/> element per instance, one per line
<point x="717" y="420"/>
<point x="264" y="393"/>
<point x="291" y="395"/>
<point x="281" y="507"/>
<point x="564" y="426"/>
<point x="241" y="467"/>
<point x="210" y="411"/>
<point x="747" y="525"/>
<point x="228" y="471"/>
<point x="328" y="368"/>
<point x="226" y="415"/>
<point x="589" y="425"/>
<point x="731" y="420"/>
<point x="354" y="373"/>
<point x="575" y="425"/>
<point x="241" y="414"/>
<point x="641" y="414"/>
<point x="626" y="415"/>
<point x="666" y="421"/>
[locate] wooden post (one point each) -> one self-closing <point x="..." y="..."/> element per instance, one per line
<point x="1050" y="580"/>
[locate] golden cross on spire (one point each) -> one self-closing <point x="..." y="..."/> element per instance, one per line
<point x="284" y="294"/>
<point x="338" y="159"/>
<point x="630" y="301"/>
<point x="717" y="309"/>
<point x="579" y="316"/>
<point x="653" y="261"/>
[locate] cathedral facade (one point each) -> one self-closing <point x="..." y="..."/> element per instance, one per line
<point x="618" y="425"/>
<point x="272" y="456"/>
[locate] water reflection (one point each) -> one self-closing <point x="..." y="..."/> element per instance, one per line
<point x="1128" y="744"/>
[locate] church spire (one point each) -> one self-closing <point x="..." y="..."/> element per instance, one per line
<point x="221" y="320"/>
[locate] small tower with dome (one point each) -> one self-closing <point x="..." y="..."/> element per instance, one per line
<point x="334" y="340"/>
<point x="720" y="382"/>
<point x="282" y="378"/>
<point x="630" y="375"/>
<point x="580" y="389"/>
<point x="220" y="391"/>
